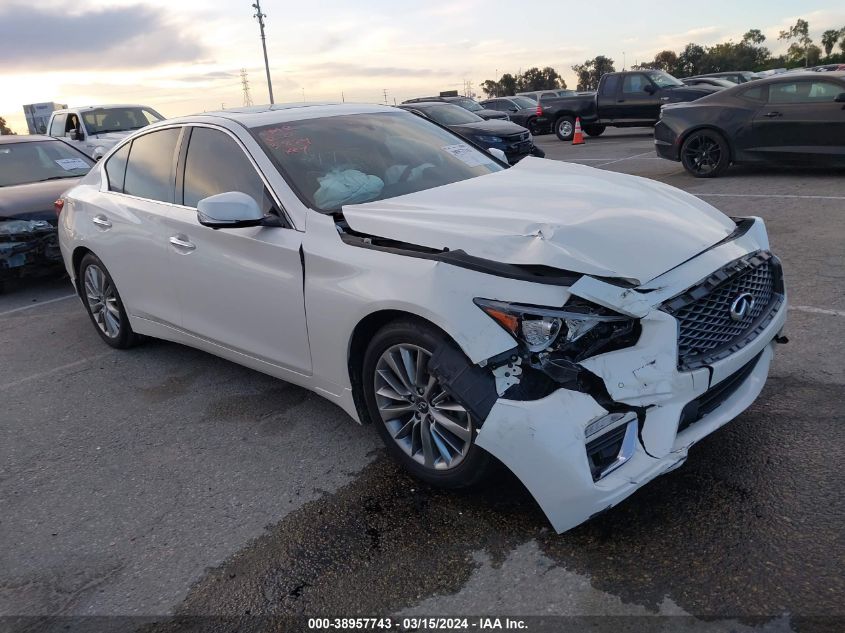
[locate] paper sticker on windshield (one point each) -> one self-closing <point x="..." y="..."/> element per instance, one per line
<point x="467" y="154"/>
<point x="69" y="164"/>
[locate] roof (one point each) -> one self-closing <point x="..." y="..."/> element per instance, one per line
<point x="5" y="139"/>
<point x="98" y="107"/>
<point x="256" y="116"/>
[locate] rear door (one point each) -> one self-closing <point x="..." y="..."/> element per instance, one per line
<point x="801" y="121"/>
<point x="127" y="226"/>
<point x="607" y="98"/>
<point x="239" y="288"/>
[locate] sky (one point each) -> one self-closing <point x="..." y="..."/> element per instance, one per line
<point x="185" y="57"/>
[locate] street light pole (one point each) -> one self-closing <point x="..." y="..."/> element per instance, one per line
<point x="261" y="16"/>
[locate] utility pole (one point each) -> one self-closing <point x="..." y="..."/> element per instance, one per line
<point x="245" y="85"/>
<point x="385" y="95"/>
<point x="261" y="16"/>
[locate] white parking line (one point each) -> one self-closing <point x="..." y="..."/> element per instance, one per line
<point x="55" y="370"/>
<point x="812" y="310"/>
<point x="638" y="157"/>
<point x="766" y="195"/>
<point x="35" y="305"/>
<point x="619" y="160"/>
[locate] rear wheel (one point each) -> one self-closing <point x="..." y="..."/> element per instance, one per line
<point x="705" y="154"/>
<point x="532" y="126"/>
<point x="103" y="303"/>
<point x="565" y="128"/>
<point x="424" y="428"/>
<point x="594" y="130"/>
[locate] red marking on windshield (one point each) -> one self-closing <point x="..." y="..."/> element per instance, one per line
<point x="284" y="139"/>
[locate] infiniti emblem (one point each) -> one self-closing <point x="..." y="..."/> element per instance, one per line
<point x="741" y="306"/>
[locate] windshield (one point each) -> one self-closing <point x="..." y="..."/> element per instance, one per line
<point x="524" y="102"/>
<point x="468" y="104"/>
<point x="104" y="120"/>
<point x="37" y="161"/>
<point x="447" y="114"/>
<point x="350" y="159"/>
<point x="663" y="80"/>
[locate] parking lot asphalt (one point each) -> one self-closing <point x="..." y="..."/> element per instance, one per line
<point x="163" y="480"/>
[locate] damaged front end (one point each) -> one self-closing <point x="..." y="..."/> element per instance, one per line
<point x="27" y="247"/>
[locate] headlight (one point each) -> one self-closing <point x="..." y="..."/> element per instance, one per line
<point x="577" y="330"/>
<point x="489" y="139"/>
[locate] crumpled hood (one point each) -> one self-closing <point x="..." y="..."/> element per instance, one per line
<point x="556" y="214"/>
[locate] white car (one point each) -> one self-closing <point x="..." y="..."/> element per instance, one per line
<point x="94" y="130"/>
<point x="582" y="326"/>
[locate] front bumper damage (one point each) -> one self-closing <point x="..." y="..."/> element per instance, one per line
<point x="27" y="247"/>
<point x="654" y="409"/>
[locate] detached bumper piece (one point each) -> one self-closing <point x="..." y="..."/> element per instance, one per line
<point x="27" y="245"/>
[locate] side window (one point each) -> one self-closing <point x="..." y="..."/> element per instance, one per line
<point x="149" y="173"/>
<point x="609" y="86"/>
<point x="495" y="105"/>
<point x="116" y="168"/>
<point x="57" y="127"/>
<point x="72" y="124"/>
<point x="216" y="164"/>
<point x="634" y="83"/>
<point x="756" y="93"/>
<point x="807" y="91"/>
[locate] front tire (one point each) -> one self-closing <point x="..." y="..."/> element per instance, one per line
<point x="705" y="154"/>
<point x="424" y="428"/>
<point x="565" y="128"/>
<point x="103" y="303"/>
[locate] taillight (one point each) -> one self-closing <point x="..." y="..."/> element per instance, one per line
<point x="539" y="110"/>
<point x="59" y="205"/>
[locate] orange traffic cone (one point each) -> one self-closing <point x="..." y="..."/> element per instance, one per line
<point x="578" y="136"/>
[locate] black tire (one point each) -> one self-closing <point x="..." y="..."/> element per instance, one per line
<point x="565" y="128"/>
<point x="531" y="124"/>
<point x="705" y="154"/>
<point x="594" y="130"/>
<point x="474" y="465"/>
<point x="93" y="294"/>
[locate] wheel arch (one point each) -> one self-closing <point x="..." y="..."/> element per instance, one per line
<point x="76" y="261"/>
<point x="362" y="334"/>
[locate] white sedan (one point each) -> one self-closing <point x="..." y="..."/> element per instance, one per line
<point x="583" y="327"/>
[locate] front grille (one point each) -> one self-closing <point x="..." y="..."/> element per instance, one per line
<point x="705" y="324"/>
<point x="517" y="138"/>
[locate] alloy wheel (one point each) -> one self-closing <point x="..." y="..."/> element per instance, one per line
<point x="102" y="301"/>
<point x="426" y="422"/>
<point x="703" y="154"/>
<point x="565" y="128"/>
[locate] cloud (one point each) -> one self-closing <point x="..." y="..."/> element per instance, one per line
<point x="133" y="36"/>
<point x="344" y="69"/>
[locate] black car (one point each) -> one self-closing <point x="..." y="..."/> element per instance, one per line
<point x="735" y="76"/>
<point x="715" y="82"/>
<point x="467" y="104"/>
<point x="793" y="118"/>
<point x="521" y="110"/>
<point x="514" y="140"/>
<point x="34" y="171"/>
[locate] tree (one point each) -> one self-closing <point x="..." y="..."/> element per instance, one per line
<point x="800" y="31"/>
<point x="592" y="70"/>
<point x="753" y="37"/>
<point x="829" y="39"/>
<point x="4" y="129"/>
<point x="532" y="79"/>
<point x="690" y="60"/>
<point x="506" y="85"/>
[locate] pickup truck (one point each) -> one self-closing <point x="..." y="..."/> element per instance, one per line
<point x="624" y="99"/>
<point x="94" y="130"/>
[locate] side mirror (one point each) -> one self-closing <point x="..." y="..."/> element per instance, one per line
<point x="498" y="154"/>
<point x="840" y="98"/>
<point x="230" y="210"/>
<point x="650" y="89"/>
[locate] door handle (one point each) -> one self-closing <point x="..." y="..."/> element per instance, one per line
<point x="101" y="221"/>
<point x="772" y="115"/>
<point x="181" y="243"/>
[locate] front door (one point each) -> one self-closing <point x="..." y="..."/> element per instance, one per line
<point x="239" y="288"/>
<point x="801" y="121"/>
